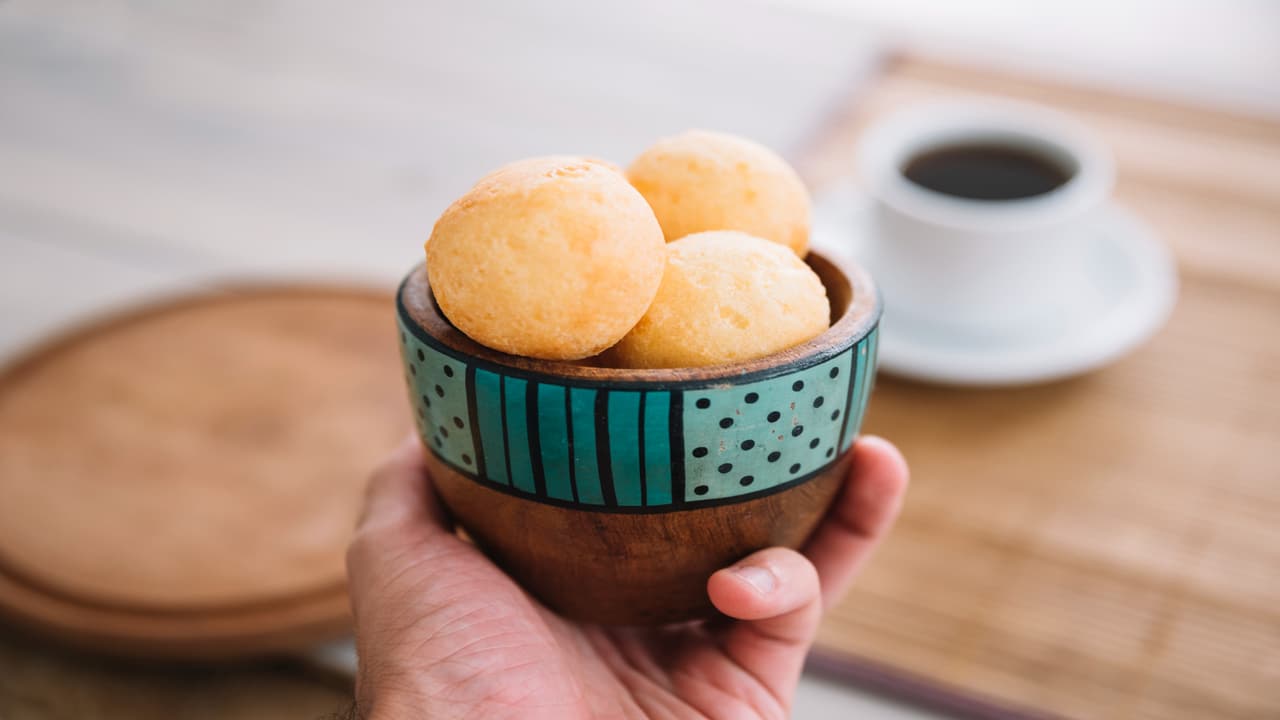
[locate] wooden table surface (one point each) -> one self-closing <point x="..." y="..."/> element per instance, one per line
<point x="1107" y="546"/>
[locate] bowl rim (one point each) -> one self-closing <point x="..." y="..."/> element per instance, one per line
<point x="859" y="319"/>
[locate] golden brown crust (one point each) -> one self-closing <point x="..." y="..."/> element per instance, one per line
<point x="553" y="257"/>
<point x="700" y="181"/>
<point x="725" y="297"/>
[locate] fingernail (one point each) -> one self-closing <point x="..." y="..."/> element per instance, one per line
<point x="762" y="579"/>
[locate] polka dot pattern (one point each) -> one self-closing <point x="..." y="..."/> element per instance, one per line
<point x="439" y="394"/>
<point x="747" y="438"/>
<point x="739" y="439"/>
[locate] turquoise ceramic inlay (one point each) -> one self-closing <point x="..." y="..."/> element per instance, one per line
<point x="586" y="476"/>
<point x="858" y="368"/>
<point x="631" y="449"/>
<point x="753" y="436"/>
<point x="552" y="422"/>
<point x="493" y="445"/>
<point x="866" y="363"/>
<point x="440" y="402"/>
<point x="624" y="446"/>
<point x="657" y="448"/>
<point x="517" y="424"/>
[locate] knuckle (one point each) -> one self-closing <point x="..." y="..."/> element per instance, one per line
<point x="362" y="548"/>
<point x="380" y="479"/>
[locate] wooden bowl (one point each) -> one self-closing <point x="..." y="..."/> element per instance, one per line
<point x="611" y="494"/>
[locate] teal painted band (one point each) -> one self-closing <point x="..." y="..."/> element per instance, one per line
<point x="518" y="460"/>
<point x="553" y="421"/>
<point x="492" y="439"/>
<point x="657" y="448"/>
<point x="624" y="446"/>
<point x="635" y="449"/>
<point x="582" y="428"/>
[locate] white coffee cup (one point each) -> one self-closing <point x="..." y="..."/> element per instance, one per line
<point x="984" y="267"/>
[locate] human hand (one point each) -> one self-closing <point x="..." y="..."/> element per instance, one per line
<point x="441" y="632"/>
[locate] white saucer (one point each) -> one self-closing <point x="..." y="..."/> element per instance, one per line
<point x="1125" y="295"/>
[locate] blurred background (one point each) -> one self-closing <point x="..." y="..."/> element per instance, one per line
<point x="1099" y="547"/>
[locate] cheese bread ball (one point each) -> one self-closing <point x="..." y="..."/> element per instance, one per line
<point x="520" y="165"/>
<point x="726" y="297"/>
<point x="702" y="181"/>
<point x="553" y="258"/>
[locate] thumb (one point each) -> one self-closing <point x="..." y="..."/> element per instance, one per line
<point x="776" y="595"/>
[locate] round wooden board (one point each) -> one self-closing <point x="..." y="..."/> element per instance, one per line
<point x="192" y="471"/>
<point x="277" y="627"/>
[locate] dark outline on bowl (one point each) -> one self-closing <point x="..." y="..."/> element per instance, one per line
<point x="857" y="327"/>
<point x="862" y="328"/>
<point x="637" y="509"/>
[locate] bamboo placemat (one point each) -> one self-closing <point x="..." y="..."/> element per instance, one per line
<point x="1108" y="546"/>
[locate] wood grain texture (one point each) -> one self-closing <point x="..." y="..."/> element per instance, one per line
<point x="1109" y="546"/>
<point x="183" y="479"/>
<point x="630" y="569"/>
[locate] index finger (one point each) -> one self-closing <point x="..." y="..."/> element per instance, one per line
<point x="399" y="491"/>
<point x="400" y="511"/>
<point x="860" y="517"/>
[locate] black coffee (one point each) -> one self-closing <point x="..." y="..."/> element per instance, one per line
<point x="985" y="172"/>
